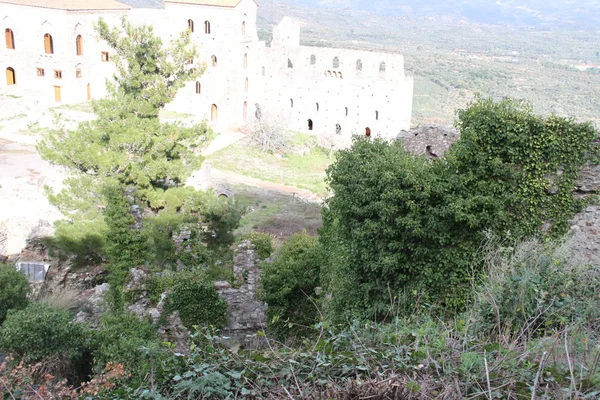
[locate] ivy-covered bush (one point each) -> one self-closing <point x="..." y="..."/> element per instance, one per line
<point x="402" y="230"/>
<point x="289" y="286"/>
<point x="40" y="331"/>
<point x="263" y="243"/>
<point x="197" y="301"/>
<point x="14" y="289"/>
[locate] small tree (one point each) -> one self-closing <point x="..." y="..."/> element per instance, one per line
<point x="127" y="145"/>
<point x="269" y="132"/>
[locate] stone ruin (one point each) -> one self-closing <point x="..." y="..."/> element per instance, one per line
<point x="247" y="314"/>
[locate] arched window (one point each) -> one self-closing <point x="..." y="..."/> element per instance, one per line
<point x="368" y="132"/>
<point x="290" y="63"/>
<point x="245" y="111"/>
<point x="335" y="74"/>
<point x="382" y="66"/>
<point x="377" y="115"/>
<point x="213" y="60"/>
<point x="291" y="103"/>
<point x="244" y="28"/>
<point x="246" y="60"/>
<point x="246" y="85"/>
<point x="310" y="124"/>
<point x="10" y="38"/>
<point x="313" y="59"/>
<point x="48" y="44"/>
<point x="11" y="77"/>
<point x="191" y="25"/>
<point x="340" y="74"/>
<point x="198" y="88"/>
<point x="317" y="106"/>
<point x="207" y="27"/>
<point x="346" y="111"/>
<point x="336" y="62"/>
<point x="213" y="113"/>
<point x="338" y="129"/>
<point x="79" y="45"/>
<point x="359" y="65"/>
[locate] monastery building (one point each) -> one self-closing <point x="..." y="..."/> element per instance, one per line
<point x="51" y="54"/>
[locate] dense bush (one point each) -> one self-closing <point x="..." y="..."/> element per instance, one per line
<point x="122" y="338"/>
<point x="14" y="288"/>
<point x="403" y="228"/>
<point x="535" y="287"/>
<point x="197" y="301"/>
<point x="289" y="286"/>
<point x="263" y="243"/>
<point x="40" y="331"/>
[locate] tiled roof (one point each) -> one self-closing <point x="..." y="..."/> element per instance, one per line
<point x="144" y="3"/>
<point x="217" y="3"/>
<point x="71" y="4"/>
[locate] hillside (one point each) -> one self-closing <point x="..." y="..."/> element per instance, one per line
<point x="508" y="12"/>
<point x="452" y="57"/>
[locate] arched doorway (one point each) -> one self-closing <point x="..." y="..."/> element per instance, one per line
<point x="89" y="91"/>
<point x="213" y="114"/>
<point x="338" y="129"/>
<point x="368" y="132"/>
<point x="11" y="77"/>
<point x="310" y="124"/>
<point x="245" y="111"/>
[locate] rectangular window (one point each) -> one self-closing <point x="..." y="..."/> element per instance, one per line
<point x="40" y="71"/>
<point x="105" y="57"/>
<point x="57" y="74"/>
<point x="77" y="73"/>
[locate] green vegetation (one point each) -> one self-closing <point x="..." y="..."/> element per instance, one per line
<point x="197" y="301"/>
<point x="123" y="338"/>
<point x="290" y="286"/>
<point x="263" y="243"/>
<point x="303" y="167"/>
<point x="39" y="331"/>
<point x="400" y="227"/>
<point x="14" y="289"/>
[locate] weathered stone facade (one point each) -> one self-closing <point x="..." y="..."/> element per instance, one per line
<point x="429" y="140"/>
<point x="339" y="91"/>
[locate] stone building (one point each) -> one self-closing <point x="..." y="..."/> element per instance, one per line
<point x="51" y="54"/>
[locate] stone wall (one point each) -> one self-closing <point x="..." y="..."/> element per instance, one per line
<point x="429" y="140"/>
<point x="247" y="314"/>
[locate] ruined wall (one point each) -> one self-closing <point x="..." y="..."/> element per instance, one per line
<point x="247" y="314"/>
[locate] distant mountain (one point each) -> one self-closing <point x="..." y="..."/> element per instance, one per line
<point x="576" y="13"/>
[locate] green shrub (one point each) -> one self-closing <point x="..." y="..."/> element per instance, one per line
<point x="197" y="301"/>
<point x="84" y="241"/>
<point x="40" y="331"/>
<point x="14" y="289"/>
<point x="534" y="286"/>
<point x="289" y="285"/>
<point x="405" y="226"/>
<point x="122" y="338"/>
<point x="262" y="242"/>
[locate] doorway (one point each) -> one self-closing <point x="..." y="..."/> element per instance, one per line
<point x="310" y="124"/>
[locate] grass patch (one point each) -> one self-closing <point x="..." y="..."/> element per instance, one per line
<point x="274" y="213"/>
<point x="305" y="171"/>
<point x="168" y="114"/>
<point x="82" y="107"/>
